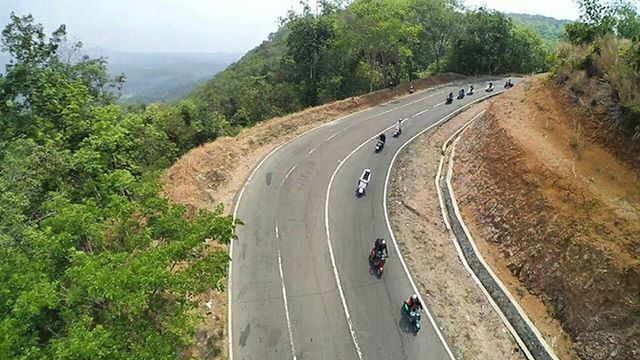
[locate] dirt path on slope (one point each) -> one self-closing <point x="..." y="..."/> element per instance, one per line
<point x="557" y="217"/>
<point x="213" y="173"/>
<point x="458" y="304"/>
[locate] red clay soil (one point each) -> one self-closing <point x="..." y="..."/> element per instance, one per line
<point x="553" y="201"/>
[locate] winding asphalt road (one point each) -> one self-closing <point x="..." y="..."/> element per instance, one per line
<point x="301" y="286"/>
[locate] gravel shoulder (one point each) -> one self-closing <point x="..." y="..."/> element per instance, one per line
<point x="461" y="309"/>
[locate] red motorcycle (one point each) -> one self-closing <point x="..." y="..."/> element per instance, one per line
<point x="377" y="261"/>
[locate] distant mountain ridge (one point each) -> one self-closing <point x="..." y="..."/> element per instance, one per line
<point x="157" y="76"/>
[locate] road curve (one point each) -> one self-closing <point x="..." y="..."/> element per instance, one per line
<point x="300" y="284"/>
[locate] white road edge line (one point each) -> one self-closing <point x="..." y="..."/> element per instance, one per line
<point x="238" y="200"/>
<point x="286" y="176"/>
<point x="393" y="238"/>
<point x="284" y="297"/>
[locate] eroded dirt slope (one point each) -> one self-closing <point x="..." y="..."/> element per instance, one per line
<point x="557" y="215"/>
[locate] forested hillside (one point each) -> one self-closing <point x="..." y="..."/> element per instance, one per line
<point x="339" y="52"/>
<point x="550" y="29"/>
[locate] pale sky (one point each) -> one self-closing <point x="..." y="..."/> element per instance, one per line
<point x="197" y="25"/>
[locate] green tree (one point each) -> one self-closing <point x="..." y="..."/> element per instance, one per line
<point x="481" y="49"/>
<point x="309" y="38"/>
<point x="94" y="263"/>
<point x="383" y="31"/>
<point x="440" y="25"/>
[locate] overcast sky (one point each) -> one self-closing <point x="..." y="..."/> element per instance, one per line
<point x="197" y="25"/>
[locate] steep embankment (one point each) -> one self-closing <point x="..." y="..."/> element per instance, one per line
<point x="553" y="200"/>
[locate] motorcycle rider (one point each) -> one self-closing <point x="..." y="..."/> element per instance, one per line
<point x="382" y="137"/>
<point x="450" y="97"/>
<point x="399" y="127"/>
<point x="380" y="247"/>
<point x="414" y="303"/>
<point x="470" y="90"/>
<point x="490" y="86"/>
<point x="461" y="93"/>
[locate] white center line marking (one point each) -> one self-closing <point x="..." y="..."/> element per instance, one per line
<point x="436" y="105"/>
<point x="284" y="298"/>
<point x="311" y="151"/>
<point x="332" y="136"/>
<point x="419" y="113"/>
<point x="285" y="179"/>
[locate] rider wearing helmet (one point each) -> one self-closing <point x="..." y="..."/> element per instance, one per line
<point x="382" y="137"/>
<point x="414" y="303"/>
<point x="381" y="247"/>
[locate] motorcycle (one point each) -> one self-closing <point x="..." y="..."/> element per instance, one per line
<point x="377" y="261"/>
<point x="508" y="85"/>
<point x="489" y="88"/>
<point x="413" y="316"/>
<point x="363" y="182"/>
<point x="470" y="92"/>
<point x="411" y="89"/>
<point x="449" y="100"/>
<point x="397" y="131"/>
<point x="461" y="94"/>
<point x="379" y="146"/>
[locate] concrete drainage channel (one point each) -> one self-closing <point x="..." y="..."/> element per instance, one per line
<point x="526" y="334"/>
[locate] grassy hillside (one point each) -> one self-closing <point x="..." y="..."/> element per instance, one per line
<point x="550" y="29"/>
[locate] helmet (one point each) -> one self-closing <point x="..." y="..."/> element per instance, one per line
<point x="383" y="242"/>
<point x="414" y="297"/>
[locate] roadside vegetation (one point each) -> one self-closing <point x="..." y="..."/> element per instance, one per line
<point x="600" y="64"/>
<point x="94" y="262"/>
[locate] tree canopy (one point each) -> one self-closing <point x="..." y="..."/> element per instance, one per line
<point x="94" y="263"/>
<point x="340" y="50"/>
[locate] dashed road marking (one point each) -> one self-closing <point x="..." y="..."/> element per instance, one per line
<point x="286" y="176"/>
